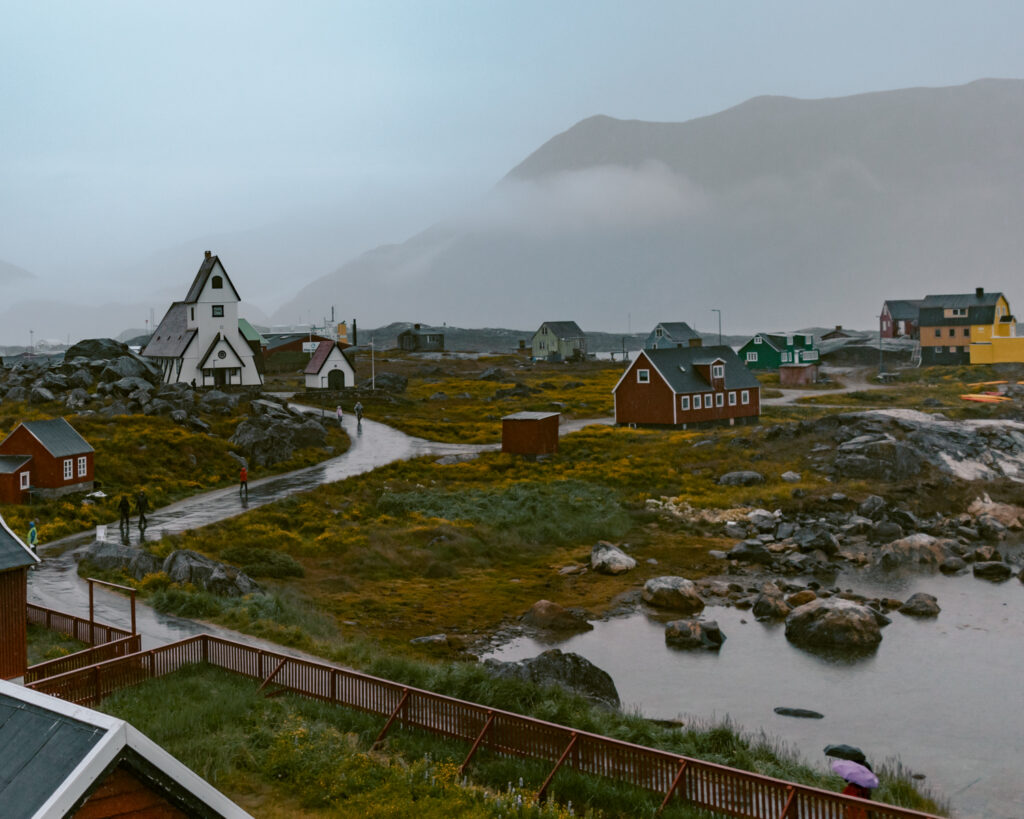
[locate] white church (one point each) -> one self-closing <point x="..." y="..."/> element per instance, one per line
<point x="199" y="341"/>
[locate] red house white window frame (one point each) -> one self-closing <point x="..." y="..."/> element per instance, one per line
<point x="69" y="469"/>
<point x="643" y="376"/>
<point x="684" y="402"/>
<point x="24" y="480"/>
<point x="83" y="466"/>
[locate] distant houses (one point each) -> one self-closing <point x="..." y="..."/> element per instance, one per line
<point x="900" y="318"/>
<point x="199" y="340"/>
<point x="44" y="458"/>
<point x="687" y="387"/>
<point x="769" y="351"/>
<point x="559" y="341"/>
<point x="667" y="334"/>
<point x="329" y="368"/>
<point x="969" y="328"/>
<point x="420" y="340"/>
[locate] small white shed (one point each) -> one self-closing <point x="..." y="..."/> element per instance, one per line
<point x="329" y="368"/>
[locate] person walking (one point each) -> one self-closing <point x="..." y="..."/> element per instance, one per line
<point x="142" y="506"/>
<point x="243" y="482"/>
<point x="341" y="415"/>
<point x="33" y="536"/>
<point x="359" y="411"/>
<point x="124" y="506"/>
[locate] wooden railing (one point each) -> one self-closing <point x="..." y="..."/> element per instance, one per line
<point x="90" y="633"/>
<point x="717" y="788"/>
<point x="131" y="644"/>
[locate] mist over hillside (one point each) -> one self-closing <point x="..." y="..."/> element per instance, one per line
<point x="781" y="212"/>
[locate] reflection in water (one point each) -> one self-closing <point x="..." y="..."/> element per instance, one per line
<point x="943" y="695"/>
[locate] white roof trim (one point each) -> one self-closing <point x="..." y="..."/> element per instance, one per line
<point x="19" y="541"/>
<point x="119" y="735"/>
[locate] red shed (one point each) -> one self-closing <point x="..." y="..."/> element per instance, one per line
<point x="530" y="433"/>
<point x="15" y="558"/>
<point x="797" y="375"/>
<point x="61" y="459"/>
<point x="688" y="386"/>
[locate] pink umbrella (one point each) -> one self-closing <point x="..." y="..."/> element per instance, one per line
<point x="854" y="772"/>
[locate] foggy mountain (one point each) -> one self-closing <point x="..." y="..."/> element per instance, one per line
<point x="781" y="212"/>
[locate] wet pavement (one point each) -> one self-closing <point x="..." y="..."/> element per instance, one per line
<point x="55" y="582"/>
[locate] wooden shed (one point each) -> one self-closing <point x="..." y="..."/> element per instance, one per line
<point x="797" y="375"/>
<point x="61" y="759"/>
<point x="530" y="433"/>
<point x="15" y="560"/>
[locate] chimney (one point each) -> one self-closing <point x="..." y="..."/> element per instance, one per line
<point x="979" y="291"/>
<point x="839" y="326"/>
<point x="208" y="254"/>
<point x="416" y="327"/>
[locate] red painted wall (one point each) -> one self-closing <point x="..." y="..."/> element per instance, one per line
<point x="47" y="471"/>
<point x="522" y="436"/>
<point x="123" y="794"/>
<point x="649" y="403"/>
<point x="13" y="601"/>
<point x="10" y="486"/>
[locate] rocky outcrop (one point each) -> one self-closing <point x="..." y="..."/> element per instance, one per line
<point x="921" y="605"/>
<point x="690" y="634"/>
<point x="111" y="556"/>
<point x="676" y="593"/>
<point x="833" y="623"/>
<point x="186" y="566"/>
<point x="272" y="433"/>
<point x="744" y="477"/>
<point x="569" y="671"/>
<point x="552" y="617"/>
<point x="607" y="558"/>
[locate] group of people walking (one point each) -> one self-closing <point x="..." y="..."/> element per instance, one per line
<point x="357" y="409"/>
<point x="124" y="506"/>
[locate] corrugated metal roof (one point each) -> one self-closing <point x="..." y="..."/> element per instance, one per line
<point x="564" y="329"/>
<point x="12" y="463"/>
<point x="904" y="309"/>
<point x="962" y="300"/>
<point x="526" y="415"/>
<point x="58" y="437"/>
<point x="172" y="337"/>
<point x="38" y="751"/>
<point x="249" y="333"/>
<point x="677" y="365"/>
<point x="14" y="554"/>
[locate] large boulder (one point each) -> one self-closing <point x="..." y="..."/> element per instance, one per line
<point x="96" y="348"/>
<point x="111" y="556"/>
<point x="607" y="558"/>
<point x="878" y="458"/>
<point x="688" y="634"/>
<point x="391" y="382"/>
<point x="569" y="671"/>
<point x="833" y="623"/>
<point x="750" y="551"/>
<point x="770" y="604"/>
<point x="186" y="566"/>
<point x="130" y="366"/>
<point x="916" y="549"/>
<point x="39" y="395"/>
<point x="552" y="617"/>
<point x="273" y="435"/>
<point x="675" y="593"/>
<point x="993" y="570"/>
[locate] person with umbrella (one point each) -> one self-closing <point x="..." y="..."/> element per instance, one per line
<point x="860" y="780"/>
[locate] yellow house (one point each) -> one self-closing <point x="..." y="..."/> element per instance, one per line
<point x="997" y="342"/>
<point x="968" y="328"/>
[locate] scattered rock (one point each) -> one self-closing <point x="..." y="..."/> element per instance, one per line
<point x="741" y="478"/>
<point x="750" y="551"/>
<point x="676" y="593"/>
<point x="993" y="570"/>
<point x="704" y="634"/>
<point x="109" y="555"/>
<point x="921" y="605"/>
<point x="607" y="558"/>
<point x="186" y="566"/>
<point x="552" y="617"/>
<point x="791" y="477"/>
<point x="802" y="713"/>
<point x="917" y="549"/>
<point x="569" y="671"/>
<point x="833" y="623"/>
<point x="770" y="604"/>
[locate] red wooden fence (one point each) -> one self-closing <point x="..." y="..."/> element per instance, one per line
<point x="79" y="628"/>
<point x="717" y="788"/>
<point x="80" y="659"/>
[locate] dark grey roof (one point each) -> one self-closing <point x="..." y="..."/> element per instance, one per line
<point x="904" y="309"/>
<point x="564" y="329"/>
<point x="678" y="330"/>
<point x="14" y="554"/>
<point x="12" y="463"/>
<point x="58" y="437"/>
<point x="981" y="309"/>
<point x="38" y="751"/>
<point x="677" y="366"/>
<point x="962" y="300"/>
<point x="275" y="340"/>
<point x="199" y="282"/>
<point x="172" y="337"/>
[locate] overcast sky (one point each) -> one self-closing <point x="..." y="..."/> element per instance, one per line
<point x="130" y="127"/>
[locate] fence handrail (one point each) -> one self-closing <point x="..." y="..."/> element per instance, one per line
<point x="718" y="787"/>
<point x="93" y="655"/>
<point x="79" y="627"/>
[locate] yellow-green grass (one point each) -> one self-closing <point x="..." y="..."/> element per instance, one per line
<point x="44" y="644"/>
<point x="135" y="452"/>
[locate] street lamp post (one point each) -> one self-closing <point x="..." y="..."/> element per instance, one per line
<point x="716" y="310"/>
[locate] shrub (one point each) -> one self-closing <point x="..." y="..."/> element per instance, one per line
<point x="259" y="562"/>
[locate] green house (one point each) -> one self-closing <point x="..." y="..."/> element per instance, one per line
<point x="769" y="351"/>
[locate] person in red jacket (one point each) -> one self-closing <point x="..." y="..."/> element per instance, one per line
<point x="856" y="811"/>
<point x="243" y="482"/>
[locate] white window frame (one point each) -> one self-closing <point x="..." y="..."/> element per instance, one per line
<point x="83" y="466"/>
<point x="709" y="400"/>
<point x="752" y="358"/>
<point x="718" y="371"/>
<point x="952" y="349"/>
<point x="696" y="401"/>
<point x="684" y="402"/>
<point x="732" y="398"/>
<point x="757" y="340"/>
<point x="719" y="399"/>
<point x="658" y="332"/>
<point x="69" y="469"/>
<point x="810" y="355"/>
<point x="643" y="376"/>
<point x="24" y="480"/>
<point x="745" y="397"/>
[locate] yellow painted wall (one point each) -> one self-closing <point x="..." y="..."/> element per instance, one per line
<point x="998" y="351"/>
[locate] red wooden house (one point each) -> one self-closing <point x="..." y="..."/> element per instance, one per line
<point x="54" y="460"/>
<point x="687" y="387"/>
<point x="15" y="560"/>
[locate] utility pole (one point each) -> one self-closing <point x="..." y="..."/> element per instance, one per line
<point x="881" y="361"/>
<point x="716" y="310"/>
<point x="373" y="367"/>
